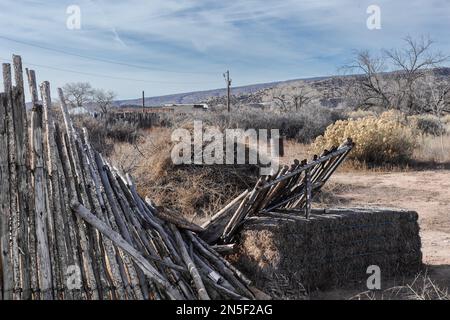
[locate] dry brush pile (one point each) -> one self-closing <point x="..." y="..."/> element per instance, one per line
<point x="195" y="191"/>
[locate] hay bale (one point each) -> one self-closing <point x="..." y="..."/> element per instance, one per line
<point x="333" y="248"/>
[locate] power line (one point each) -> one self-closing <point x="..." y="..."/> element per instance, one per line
<point x="102" y="59"/>
<point x="106" y="76"/>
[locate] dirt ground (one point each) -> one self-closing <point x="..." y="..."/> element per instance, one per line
<point x="427" y="192"/>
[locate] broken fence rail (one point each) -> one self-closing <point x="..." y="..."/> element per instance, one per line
<point x="291" y="187"/>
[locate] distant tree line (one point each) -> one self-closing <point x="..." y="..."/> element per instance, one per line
<point x="81" y="94"/>
<point x="405" y="79"/>
<point x="410" y="79"/>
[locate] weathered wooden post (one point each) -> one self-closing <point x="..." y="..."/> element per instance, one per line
<point x="7" y="81"/>
<point x="5" y="204"/>
<point x="307" y="193"/>
<point x="23" y="176"/>
<point x="40" y="196"/>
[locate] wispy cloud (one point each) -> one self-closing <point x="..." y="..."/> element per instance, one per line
<point x="258" y="40"/>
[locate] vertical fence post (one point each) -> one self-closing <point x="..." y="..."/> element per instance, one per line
<point x="307" y="193"/>
<point x="7" y="281"/>
<point x="40" y="193"/>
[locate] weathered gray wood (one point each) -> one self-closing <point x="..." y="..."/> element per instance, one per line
<point x="14" y="196"/>
<point x="145" y="266"/>
<point x="92" y="176"/>
<point x="64" y="167"/>
<point x="24" y="178"/>
<point x="164" y="233"/>
<point x="55" y="262"/>
<point x="237" y="216"/>
<point x="138" y="239"/>
<point x="236" y="272"/>
<point x="119" y="223"/>
<point x="225" y="248"/>
<point x="217" y="285"/>
<point x="201" y="290"/>
<point x="105" y="287"/>
<point x="220" y="266"/>
<point x="214" y="228"/>
<point x="84" y="238"/>
<point x="307" y="193"/>
<point x="224" y="210"/>
<point x="137" y="277"/>
<point x="66" y="187"/>
<point x="60" y="254"/>
<point x="40" y="207"/>
<point x="134" y="217"/>
<point x="5" y="204"/>
<point x="122" y="259"/>
<point x="178" y="220"/>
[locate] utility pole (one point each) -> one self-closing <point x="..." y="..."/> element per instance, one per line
<point x="143" y="101"/>
<point x="226" y="75"/>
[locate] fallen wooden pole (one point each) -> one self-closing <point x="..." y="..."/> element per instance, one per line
<point x="201" y="290"/>
<point x="145" y="266"/>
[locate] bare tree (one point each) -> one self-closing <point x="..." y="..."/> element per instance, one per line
<point x="103" y="100"/>
<point x="278" y="97"/>
<point x="412" y="62"/>
<point x="390" y="80"/>
<point x="78" y="94"/>
<point x="287" y="98"/>
<point x="302" y="96"/>
<point x="368" y="88"/>
<point x="432" y="95"/>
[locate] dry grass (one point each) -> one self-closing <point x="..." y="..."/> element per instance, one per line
<point x="295" y="150"/>
<point x="421" y="288"/>
<point x="196" y="191"/>
<point x="104" y="135"/>
<point x="433" y="149"/>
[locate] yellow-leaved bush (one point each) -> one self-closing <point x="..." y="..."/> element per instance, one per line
<point x="379" y="139"/>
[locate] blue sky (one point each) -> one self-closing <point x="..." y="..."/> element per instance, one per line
<point x="168" y="46"/>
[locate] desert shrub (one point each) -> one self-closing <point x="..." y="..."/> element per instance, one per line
<point x="382" y="139"/>
<point x="122" y="131"/>
<point x="360" y="113"/>
<point x="428" y="124"/>
<point x="446" y="119"/>
<point x="422" y="287"/>
<point x="103" y="134"/>
<point x="304" y="125"/>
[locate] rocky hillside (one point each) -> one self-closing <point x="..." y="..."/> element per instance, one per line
<point x="328" y="91"/>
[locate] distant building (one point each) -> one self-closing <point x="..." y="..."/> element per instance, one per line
<point x="186" y="107"/>
<point x="80" y="111"/>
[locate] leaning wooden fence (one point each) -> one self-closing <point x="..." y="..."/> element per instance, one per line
<point x="291" y="187"/>
<point x="73" y="227"/>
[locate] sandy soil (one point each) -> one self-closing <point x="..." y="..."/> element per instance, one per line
<point x="427" y="192"/>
